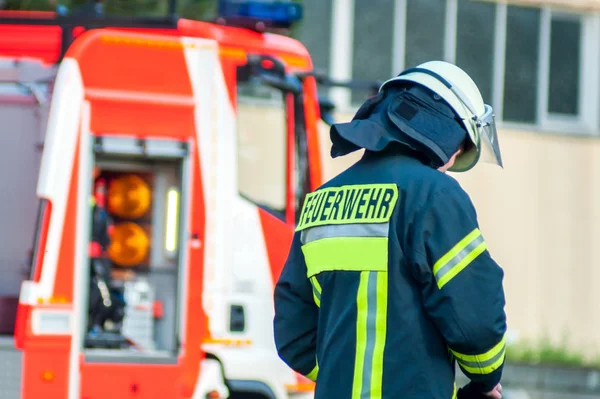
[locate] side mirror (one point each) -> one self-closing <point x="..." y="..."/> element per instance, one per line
<point x="326" y="108"/>
<point x="271" y="71"/>
<point x="286" y="84"/>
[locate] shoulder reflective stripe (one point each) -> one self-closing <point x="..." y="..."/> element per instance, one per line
<point x="371" y="329"/>
<point x="454" y="392"/>
<point x="484" y="363"/>
<point x="316" y="290"/>
<point x="365" y="203"/>
<point x="347" y="254"/>
<point x="459" y="257"/>
<point x="345" y="230"/>
<point x="313" y="374"/>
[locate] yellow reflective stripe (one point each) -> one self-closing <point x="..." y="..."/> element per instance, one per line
<point x="361" y="334"/>
<point x="454" y="392"/>
<point x="316" y="284"/>
<point x="316" y="290"/>
<point x="483" y="369"/>
<point x="346" y="254"/>
<point x="313" y="374"/>
<point x="317" y="299"/>
<point x="500" y="346"/>
<point x="455" y="250"/>
<point x="484" y="363"/>
<point x="364" y="203"/>
<point x="459" y="257"/>
<point x="371" y="329"/>
<point x="478" y="250"/>
<point x="380" y="335"/>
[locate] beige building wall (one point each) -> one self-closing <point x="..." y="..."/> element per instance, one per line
<point x="540" y="216"/>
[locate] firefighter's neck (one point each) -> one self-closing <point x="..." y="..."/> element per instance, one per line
<point x="449" y="164"/>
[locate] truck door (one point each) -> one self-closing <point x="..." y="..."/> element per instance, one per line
<point x="273" y="175"/>
<point x="277" y="135"/>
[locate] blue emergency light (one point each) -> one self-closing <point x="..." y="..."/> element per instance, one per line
<point x="281" y="14"/>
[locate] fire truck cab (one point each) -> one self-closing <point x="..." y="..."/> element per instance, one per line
<point x="171" y="164"/>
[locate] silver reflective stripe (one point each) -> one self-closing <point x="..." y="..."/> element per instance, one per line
<point x="316" y="290"/>
<point x="345" y="230"/>
<point x="481" y="365"/>
<point x="371" y="331"/>
<point x="459" y="257"/>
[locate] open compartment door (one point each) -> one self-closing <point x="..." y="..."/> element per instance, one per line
<point x="136" y="264"/>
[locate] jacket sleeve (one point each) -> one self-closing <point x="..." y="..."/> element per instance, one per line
<point x="296" y="315"/>
<point x="461" y="285"/>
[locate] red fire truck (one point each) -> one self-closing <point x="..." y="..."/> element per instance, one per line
<point x="171" y="160"/>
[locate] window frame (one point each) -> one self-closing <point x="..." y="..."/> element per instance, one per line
<point x="584" y="124"/>
<point x="253" y="100"/>
<point x="587" y="123"/>
<point x="501" y="51"/>
<point x="290" y="161"/>
<point x="301" y="183"/>
<point x="296" y="186"/>
<point x="547" y="119"/>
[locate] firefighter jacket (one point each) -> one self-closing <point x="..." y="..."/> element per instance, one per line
<point x="388" y="282"/>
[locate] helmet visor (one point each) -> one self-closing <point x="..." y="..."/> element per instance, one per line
<point x="489" y="145"/>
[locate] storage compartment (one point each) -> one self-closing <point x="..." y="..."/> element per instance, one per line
<point x="135" y="260"/>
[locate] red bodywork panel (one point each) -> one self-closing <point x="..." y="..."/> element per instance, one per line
<point x="44" y="42"/>
<point x="278" y="237"/>
<point x="30" y="41"/>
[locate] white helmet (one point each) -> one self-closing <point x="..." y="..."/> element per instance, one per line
<point x="457" y="88"/>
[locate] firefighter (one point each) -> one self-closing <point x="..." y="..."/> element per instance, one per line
<point x="389" y="280"/>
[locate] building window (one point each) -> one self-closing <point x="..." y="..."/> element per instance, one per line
<point x="534" y="65"/>
<point x="521" y="64"/>
<point x="373" y="42"/>
<point x="425" y="31"/>
<point x="565" y="65"/>
<point x="475" y="33"/>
